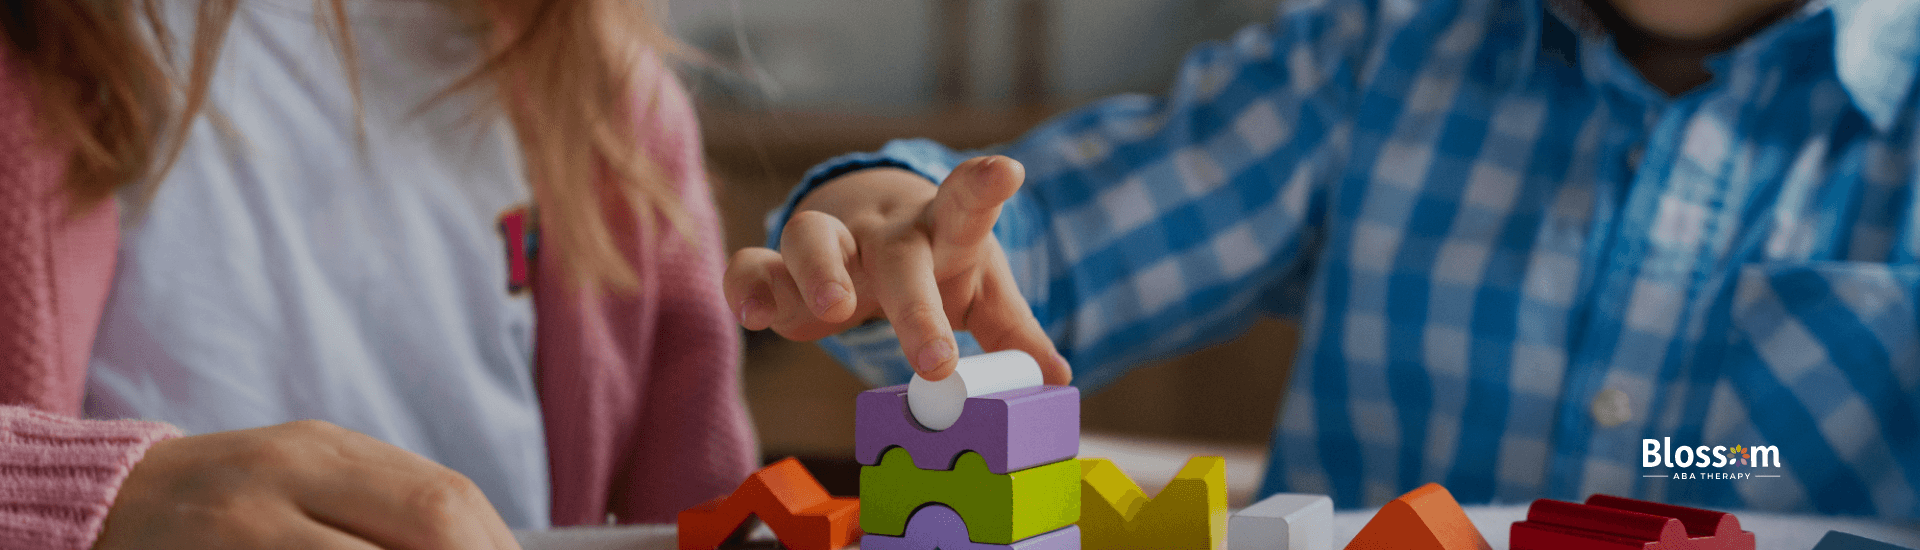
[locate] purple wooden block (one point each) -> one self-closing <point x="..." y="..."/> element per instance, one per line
<point x="1013" y="430"/>
<point x="936" y="527"/>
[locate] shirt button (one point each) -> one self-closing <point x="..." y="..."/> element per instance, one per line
<point x="1611" y="407"/>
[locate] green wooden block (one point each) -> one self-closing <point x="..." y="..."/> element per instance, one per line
<point x="997" y="508"/>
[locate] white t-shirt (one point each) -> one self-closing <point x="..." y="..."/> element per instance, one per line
<point x="288" y="272"/>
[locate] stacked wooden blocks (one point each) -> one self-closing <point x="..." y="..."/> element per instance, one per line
<point x="1002" y="476"/>
<point x="986" y="460"/>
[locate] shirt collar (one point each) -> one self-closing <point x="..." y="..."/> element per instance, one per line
<point x="1875" y="50"/>
<point x="1876" y="47"/>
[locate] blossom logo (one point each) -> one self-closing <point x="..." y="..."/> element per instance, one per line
<point x="1741" y="456"/>
<point x="1683" y="462"/>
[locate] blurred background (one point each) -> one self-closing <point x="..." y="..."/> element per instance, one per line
<point x="793" y="82"/>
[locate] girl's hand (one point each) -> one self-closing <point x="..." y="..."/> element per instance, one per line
<point x="883" y="242"/>
<point x="306" y="484"/>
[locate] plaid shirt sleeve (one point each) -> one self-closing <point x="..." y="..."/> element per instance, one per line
<point x="1152" y="226"/>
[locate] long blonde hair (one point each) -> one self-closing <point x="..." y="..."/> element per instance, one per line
<point x="105" y="85"/>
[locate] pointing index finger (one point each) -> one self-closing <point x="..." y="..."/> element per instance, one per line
<point x="910" y="296"/>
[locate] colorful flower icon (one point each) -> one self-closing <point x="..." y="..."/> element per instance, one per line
<point x="1739" y="455"/>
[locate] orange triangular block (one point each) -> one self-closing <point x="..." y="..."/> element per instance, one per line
<point x="801" y="513"/>
<point x="1424" y="519"/>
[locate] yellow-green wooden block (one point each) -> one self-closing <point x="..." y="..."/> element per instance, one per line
<point x="997" y="508"/>
<point x="1189" y="514"/>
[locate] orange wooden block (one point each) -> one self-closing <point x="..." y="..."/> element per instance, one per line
<point x="801" y="513"/>
<point x="1424" y="519"/>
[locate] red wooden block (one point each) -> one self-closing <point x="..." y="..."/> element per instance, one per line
<point x="1614" y="523"/>
<point x="801" y="513"/>
<point x="1427" y="518"/>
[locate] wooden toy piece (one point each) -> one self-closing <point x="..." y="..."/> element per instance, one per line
<point x="801" y="513"/>
<point x="1426" y="518"/>
<point x="1285" y="521"/>
<point x="1189" y="514"/>
<point x="998" y="508"/>
<point x="937" y="527"/>
<point x="1836" y="540"/>
<point x="1012" y="430"/>
<point x="1610" y="522"/>
<point x="937" y="405"/>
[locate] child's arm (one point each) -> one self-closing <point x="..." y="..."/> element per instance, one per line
<point x="1145" y="227"/>
<point x="904" y="249"/>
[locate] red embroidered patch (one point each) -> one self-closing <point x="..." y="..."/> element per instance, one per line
<point x="522" y="239"/>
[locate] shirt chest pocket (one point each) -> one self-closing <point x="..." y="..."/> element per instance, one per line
<point x="1823" y="360"/>
<point x="1798" y="316"/>
<point x="1834" y="344"/>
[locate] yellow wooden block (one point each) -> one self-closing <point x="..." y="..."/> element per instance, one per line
<point x="1190" y="514"/>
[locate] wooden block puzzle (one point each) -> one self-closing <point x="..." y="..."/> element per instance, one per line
<point x="1836" y="540"/>
<point x="1426" y="518"/>
<point x="1189" y="514"/>
<point x="1610" y="522"/>
<point x="1285" y="521"/>
<point x="937" y="527"/>
<point x="998" y="508"/>
<point x="1012" y="430"/>
<point x="801" y="513"/>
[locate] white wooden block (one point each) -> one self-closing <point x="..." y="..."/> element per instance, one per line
<point x="937" y="405"/>
<point x="1285" y="521"/>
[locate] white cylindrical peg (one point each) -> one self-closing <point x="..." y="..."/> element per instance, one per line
<point x="937" y="405"/>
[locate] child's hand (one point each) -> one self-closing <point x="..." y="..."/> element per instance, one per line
<point x="884" y="242"/>
<point x="305" y="484"/>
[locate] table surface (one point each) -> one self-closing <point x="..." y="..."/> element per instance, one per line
<point x="1773" y="531"/>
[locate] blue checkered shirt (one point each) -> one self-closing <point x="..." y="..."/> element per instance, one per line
<point x="1513" y="258"/>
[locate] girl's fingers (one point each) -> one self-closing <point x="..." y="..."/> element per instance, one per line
<point x="397" y="499"/>
<point x="1000" y="320"/>
<point x="910" y="295"/>
<point x="967" y="204"/>
<point x="299" y="532"/>
<point x="816" y="248"/>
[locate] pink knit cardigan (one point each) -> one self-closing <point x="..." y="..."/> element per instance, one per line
<point x="640" y="392"/>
